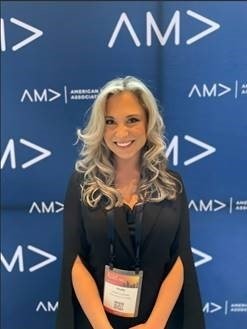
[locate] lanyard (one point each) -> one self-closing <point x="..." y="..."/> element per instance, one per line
<point x="111" y="235"/>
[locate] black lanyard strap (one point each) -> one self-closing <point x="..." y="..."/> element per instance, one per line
<point x="138" y="223"/>
<point x="111" y="235"/>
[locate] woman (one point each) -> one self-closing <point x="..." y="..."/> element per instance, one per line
<point x="127" y="258"/>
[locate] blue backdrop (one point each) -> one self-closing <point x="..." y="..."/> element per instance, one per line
<point x="55" y="58"/>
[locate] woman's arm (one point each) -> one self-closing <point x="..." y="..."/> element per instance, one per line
<point x="166" y="299"/>
<point x="88" y="296"/>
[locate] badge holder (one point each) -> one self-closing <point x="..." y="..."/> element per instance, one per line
<point x="122" y="290"/>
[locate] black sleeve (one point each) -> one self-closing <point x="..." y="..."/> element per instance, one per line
<point x="74" y="243"/>
<point x="190" y="295"/>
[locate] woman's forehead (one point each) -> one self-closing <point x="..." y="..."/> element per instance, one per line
<point x="124" y="103"/>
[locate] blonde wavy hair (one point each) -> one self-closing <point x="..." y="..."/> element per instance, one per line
<point x="96" y="160"/>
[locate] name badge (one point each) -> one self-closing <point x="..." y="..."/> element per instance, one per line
<point x="122" y="290"/>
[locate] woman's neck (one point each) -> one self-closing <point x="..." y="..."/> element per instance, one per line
<point x="127" y="165"/>
<point x="127" y="173"/>
<point x="127" y="178"/>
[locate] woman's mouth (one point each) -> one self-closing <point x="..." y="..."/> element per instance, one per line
<point x="124" y="144"/>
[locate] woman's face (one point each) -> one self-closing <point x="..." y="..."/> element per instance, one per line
<point x="125" y="126"/>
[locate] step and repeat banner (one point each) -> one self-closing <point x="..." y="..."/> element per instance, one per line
<point x="55" y="57"/>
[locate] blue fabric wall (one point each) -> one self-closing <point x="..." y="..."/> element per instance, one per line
<point x="55" y="58"/>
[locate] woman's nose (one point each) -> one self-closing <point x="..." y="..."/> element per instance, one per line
<point x="121" y="131"/>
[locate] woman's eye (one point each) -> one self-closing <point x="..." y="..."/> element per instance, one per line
<point x="133" y="120"/>
<point x="109" y="121"/>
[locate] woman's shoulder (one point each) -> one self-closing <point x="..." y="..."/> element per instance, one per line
<point x="177" y="179"/>
<point x="76" y="178"/>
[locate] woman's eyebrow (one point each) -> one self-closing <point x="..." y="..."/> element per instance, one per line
<point x="127" y="116"/>
<point x="134" y="115"/>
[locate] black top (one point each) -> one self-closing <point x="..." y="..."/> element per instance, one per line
<point x="165" y="235"/>
<point x="130" y="218"/>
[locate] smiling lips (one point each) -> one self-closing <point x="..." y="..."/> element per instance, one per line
<point x="124" y="144"/>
